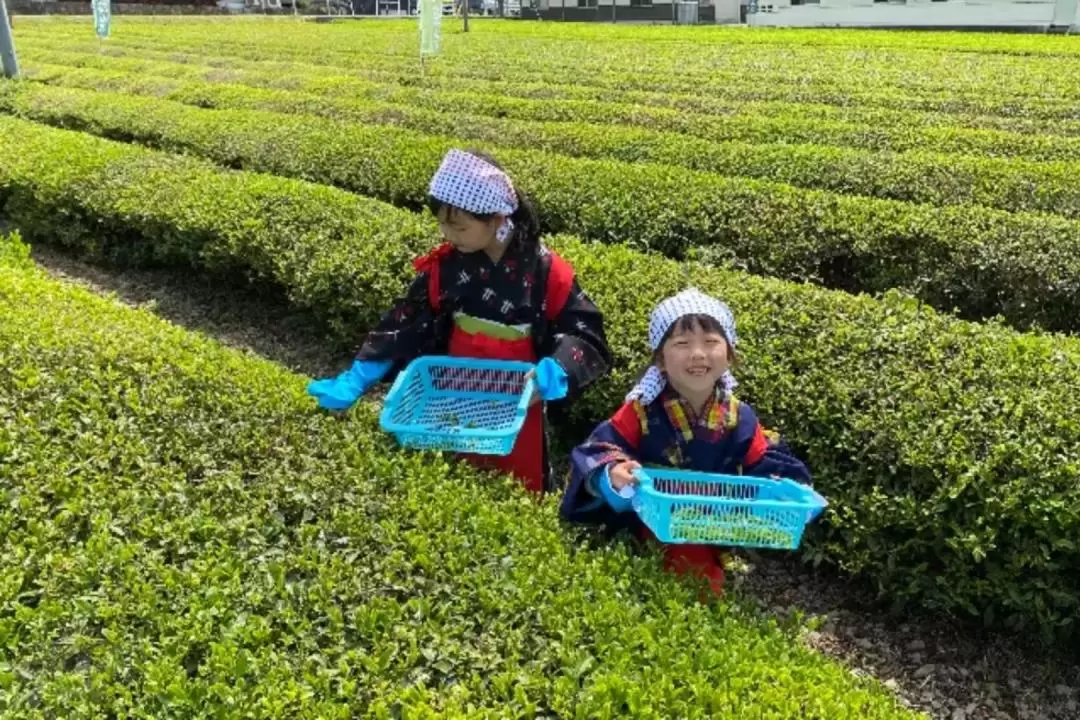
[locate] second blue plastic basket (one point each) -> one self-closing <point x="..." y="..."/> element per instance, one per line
<point x="683" y="507"/>
<point x="459" y="404"/>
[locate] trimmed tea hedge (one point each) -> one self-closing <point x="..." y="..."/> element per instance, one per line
<point x="493" y="34"/>
<point x="85" y="192"/>
<point x="948" y="450"/>
<point x="982" y="262"/>
<point x="593" y="130"/>
<point x="731" y="120"/>
<point x="979" y="84"/>
<point x="325" y="78"/>
<point x="183" y="535"/>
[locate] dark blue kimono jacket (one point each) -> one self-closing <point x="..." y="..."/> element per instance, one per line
<point x="727" y="438"/>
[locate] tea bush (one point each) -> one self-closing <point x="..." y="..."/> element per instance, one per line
<point x="980" y="261"/>
<point x="183" y="535"/>
<point x="316" y="89"/>
<point x="949" y="450"/>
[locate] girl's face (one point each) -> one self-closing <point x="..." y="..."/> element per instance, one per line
<point x="694" y="360"/>
<point x="467" y="233"/>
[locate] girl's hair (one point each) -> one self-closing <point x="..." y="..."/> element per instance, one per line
<point x="525" y="219"/>
<point x="696" y="321"/>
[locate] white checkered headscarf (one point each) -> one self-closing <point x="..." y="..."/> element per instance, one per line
<point x="666" y="314"/>
<point x="476" y="186"/>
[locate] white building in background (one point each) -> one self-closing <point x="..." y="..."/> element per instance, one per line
<point x="1057" y="15"/>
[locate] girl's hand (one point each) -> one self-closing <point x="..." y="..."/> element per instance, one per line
<point x="621" y="474"/>
<point x="551" y="381"/>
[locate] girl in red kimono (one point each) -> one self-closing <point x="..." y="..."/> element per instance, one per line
<point x="682" y="414"/>
<point x="492" y="290"/>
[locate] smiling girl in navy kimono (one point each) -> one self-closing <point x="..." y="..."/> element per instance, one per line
<point x="681" y="415"/>
<point x="493" y="291"/>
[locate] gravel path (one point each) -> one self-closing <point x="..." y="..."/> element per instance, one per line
<point x="262" y="323"/>
<point x="950" y="672"/>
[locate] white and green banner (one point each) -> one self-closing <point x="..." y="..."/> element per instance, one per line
<point x="430" y="20"/>
<point x="102" y="17"/>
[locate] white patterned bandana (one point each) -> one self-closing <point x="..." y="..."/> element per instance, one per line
<point x="472" y="184"/>
<point x="666" y="314"/>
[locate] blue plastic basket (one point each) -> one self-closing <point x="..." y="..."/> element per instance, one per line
<point x="459" y="404"/>
<point x="692" y="507"/>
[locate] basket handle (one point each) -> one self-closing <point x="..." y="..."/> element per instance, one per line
<point x="398" y="381"/>
<point x="527" y="391"/>
<point x="810" y="494"/>
<point x="391" y="401"/>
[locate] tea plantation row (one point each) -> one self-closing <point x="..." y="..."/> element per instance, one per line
<point x="979" y="82"/>
<point x="750" y="148"/>
<point x="714" y="118"/>
<point x="183" y="535"/>
<point x="984" y="262"/>
<point x="949" y="449"/>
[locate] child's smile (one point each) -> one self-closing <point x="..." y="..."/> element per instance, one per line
<point x="694" y="360"/>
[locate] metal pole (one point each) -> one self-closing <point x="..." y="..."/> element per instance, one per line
<point x="7" y="44"/>
<point x="465" y="13"/>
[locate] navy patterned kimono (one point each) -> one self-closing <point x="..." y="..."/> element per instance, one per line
<point x="513" y="293"/>
<point x="526" y="307"/>
<point x="727" y="438"/>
